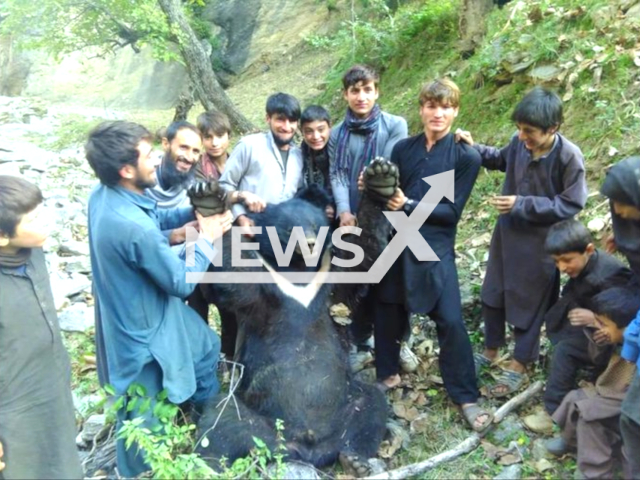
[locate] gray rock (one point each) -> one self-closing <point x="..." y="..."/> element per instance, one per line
<point x="367" y="375"/>
<point x="603" y="16"/>
<point x="538" y="450"/>
<point x="68" y="286"/>
<point x="633" y="14"/>
<point x="626" y="4"/>
<point x="85" y="403"/>
<point x="506" y="430"/>
<point x="377" y="465"/>
<point x="79" y="264"/>
<point x="518" y="67"/>
<point x="294" y="471"/>
<point x="74" y="248"/>
<point x="76" y="318"/>
<point x="512" y="472"/>
<point x="545" y="73"/>
<point x="9" y="156"/>
<point x="92" y="427"/>
<point x="11" y="168"/>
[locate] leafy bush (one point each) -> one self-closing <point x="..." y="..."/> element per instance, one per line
<point x="168" y="445"/>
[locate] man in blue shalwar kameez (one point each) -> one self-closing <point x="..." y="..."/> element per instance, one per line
<point x="145" y="333"/>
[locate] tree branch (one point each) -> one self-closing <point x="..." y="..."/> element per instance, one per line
<point x="466" y="446"/>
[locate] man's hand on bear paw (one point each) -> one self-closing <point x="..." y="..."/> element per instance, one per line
<point x="213" y="227"/>
<point x="397" y="201"/>
<point x="179" y="235"/>
<point x="348" y="219"/>
<point x="208" y="198"/>
<point x="252" y="201"/>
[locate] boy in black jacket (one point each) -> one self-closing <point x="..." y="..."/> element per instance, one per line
<point x="590" y="272"/>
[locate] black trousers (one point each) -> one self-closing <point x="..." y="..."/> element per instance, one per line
<point x="362" y="326"/>
<point x="456" y="357"/>
<point x="569" y="356"/>
<point x="527" y="341"/>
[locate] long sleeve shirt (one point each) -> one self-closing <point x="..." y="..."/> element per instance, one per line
<point x="631" y="345"/>
<point x="139" y="285"/>
<point x="418" y="284"/>
<point x="37" y="421"/>
<point x="255" y="165"/>
<point x="391" y="129"/>
<point x="520" y="275"/>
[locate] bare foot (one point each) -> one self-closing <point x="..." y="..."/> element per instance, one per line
<point x="392" y="382"/>
<point x="491" y="353"/>
<point x="388" y="383"/>
<point x="516" y="366"/>
<point x="510" y="380"/>
<point x="478" y="418"/>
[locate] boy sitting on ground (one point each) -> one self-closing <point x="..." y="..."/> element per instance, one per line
<point x="590" y="272"/>
<point x="590" y="417"/>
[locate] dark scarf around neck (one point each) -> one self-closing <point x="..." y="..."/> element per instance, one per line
<point x="15" y="260"/>
<point x="368" y="127"/>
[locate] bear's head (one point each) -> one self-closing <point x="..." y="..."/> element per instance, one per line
<point x="298" y="224"/>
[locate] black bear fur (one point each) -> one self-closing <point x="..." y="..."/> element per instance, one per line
<point x="296" y="365"/>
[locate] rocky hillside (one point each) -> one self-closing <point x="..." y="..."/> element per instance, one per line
<point x="250" y="35"/>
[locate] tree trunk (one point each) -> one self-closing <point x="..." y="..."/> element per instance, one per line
<point x="185" y="104"/>
<point x="472" y="23"/>
<point x="207" y="88"/>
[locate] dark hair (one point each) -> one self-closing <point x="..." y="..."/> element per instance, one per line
<point x="175" y="127"/>
<point x="111" y="146"/>
<point x="213" y="122"/>
<point x="315" y="113"/>
<point x="360" y="73"/>
<point x="619" y="304"/>
<point x="442" y="90"/>
<point x="567" y="236"/>
<point x="540" y="108"/>
<point x="17" y="197"/>
<point x="283" y="104"/>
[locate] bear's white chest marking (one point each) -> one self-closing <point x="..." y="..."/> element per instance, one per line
<point x="304" y="295"/>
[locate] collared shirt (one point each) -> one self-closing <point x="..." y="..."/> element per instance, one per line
<point x="255" y="165"/>
<point x="139" y="284"/>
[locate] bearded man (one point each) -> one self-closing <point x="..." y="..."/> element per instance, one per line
<point x="182" y="145"/>
<point x="266" y="168"/>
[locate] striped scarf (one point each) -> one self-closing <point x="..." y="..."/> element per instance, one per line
<point x="343" y="165"/>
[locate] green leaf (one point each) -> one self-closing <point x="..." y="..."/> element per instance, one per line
<point x="132" y="403"/>
<point x="259" y="443"/>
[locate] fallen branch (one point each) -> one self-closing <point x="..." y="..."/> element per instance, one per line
<point x="466" y="446"/>
<point x="516" y="401"/>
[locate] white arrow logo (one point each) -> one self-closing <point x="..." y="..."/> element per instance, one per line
<point x="407" y="235"/>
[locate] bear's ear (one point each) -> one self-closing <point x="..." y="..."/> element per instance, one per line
<point x="315" y="195"/>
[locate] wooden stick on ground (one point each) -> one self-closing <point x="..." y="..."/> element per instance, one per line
<point x="466" y="446"/>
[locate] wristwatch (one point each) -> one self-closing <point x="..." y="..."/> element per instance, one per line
<point x="409" y="206"/>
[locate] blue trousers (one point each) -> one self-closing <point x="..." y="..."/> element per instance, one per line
<point x="131" y="462"/>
